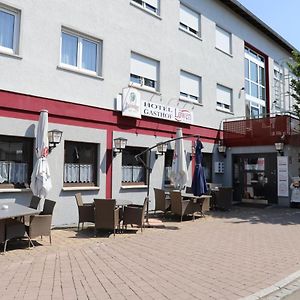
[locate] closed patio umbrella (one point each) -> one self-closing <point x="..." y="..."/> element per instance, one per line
<point x="179" y="173"/>
<point x="199" y="186"/>
<point x="40" y="178"/>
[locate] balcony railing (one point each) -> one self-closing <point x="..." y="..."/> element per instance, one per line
<point x="262" y="131"/>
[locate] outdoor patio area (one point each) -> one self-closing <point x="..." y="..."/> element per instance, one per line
<point x="225" y="255"/>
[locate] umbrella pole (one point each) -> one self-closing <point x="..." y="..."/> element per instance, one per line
<point x="148" y="188"/>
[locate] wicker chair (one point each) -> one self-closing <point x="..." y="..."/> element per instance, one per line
<point x="86" y="211"/>
<point x="135" y="214"/>
<point x="224" y="198"/>
<point x="161" y="203"/>
<point x="205" y="205"/>
<point x="106" y="215"/>
<point x="182" y="207"/>
<point x="40" y="225"/>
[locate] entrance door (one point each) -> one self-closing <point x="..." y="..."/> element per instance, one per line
<point x="255" y="178"/>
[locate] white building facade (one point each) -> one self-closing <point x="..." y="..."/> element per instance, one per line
<point x="189" y="64"/>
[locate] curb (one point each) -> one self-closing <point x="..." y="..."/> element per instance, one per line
<point x="275" y="287"/>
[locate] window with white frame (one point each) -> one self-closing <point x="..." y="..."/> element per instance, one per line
<point x="150" y="5"/>
<point x="9" y="30"/>
<point x="80" y="167"/>
<point x="16" y="155"/>
<point x="133" y="171"/>
<point x="168" y="166"/>
<point x="223" y="40"/>
<point x="189" y="20"/>
<point x="255" y="82"/>
<point x="278" y="90"/>
<point x="224" y="98"/>
<point x="144" y="71"/>
<point x="80" y="53"/>
<point x="190" y="87"/>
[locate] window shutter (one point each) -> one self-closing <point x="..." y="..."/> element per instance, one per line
<point x="223" y="95"/>
<point x="223" y="40"/>
<point x="189" y="84"/>
<point x="189" y="17"/>
<point x="143" y="66"/>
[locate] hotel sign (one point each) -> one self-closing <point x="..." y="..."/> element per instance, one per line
<point x="132" y="106"/>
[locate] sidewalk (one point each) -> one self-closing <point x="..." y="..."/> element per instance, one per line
<point x="227" y="255"/>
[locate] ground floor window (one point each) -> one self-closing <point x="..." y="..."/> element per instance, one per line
<point x="80" y="167"/>
<point x="16" y="155"/>
<point x="133" y="171"/>
<point x="207" y="166"/>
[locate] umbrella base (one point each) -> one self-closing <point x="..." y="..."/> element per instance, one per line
<point x="150" y="223"/>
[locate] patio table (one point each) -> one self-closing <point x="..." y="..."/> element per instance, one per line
<point x="12" y="210"/>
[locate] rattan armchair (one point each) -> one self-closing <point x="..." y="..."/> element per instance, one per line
<point x="135" y="215"/>
<point x="40" y="225"/>
<point x="106" y="215"/>
<point x="86" y="211"/>
<point x="182" y="207"/>
<point x="161" y="203"/>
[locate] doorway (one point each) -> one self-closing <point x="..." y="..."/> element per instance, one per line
<point x="255" y="178"/>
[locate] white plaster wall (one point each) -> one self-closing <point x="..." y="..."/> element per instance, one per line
<point x="125" y="28"/>
<point x="65" y="212"/>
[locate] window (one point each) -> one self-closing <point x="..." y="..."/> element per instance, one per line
<point x="9" y="30"/>
<point x="255" y="81"/>
<point x="15" y="161"/>
<point x="207" y="166"/>
<point x="190" y="87"/>
<point x="150" y="5"/>
<point x="80" y="166"/>
<point x="224" y="97"/>
<point x="144" y="71"/>
<point x="168" y="165"/>
<point x="189" y="20"/>
<point x="278" y="87"/>
<point x="80" y="53"/>
<point x="133" y="171"/>
<point x="223" y="40"/>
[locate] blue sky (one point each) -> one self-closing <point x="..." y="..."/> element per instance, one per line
<point x="281" y="15"/>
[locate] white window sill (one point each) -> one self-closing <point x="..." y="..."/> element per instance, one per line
<point x="190" y="101"/>
<point x="129" y="187"/>
<point x="9" y="54"/>
<point x="191" y="34"/>
<point x="81" y="188"/>
<point x="224" y="52"/>
<point x="146" y="10"/>
<point x="80" y="72"/>
<point x="224" y="110"/>
<point x="15" y="190"/>
<point x="144" y="88"/>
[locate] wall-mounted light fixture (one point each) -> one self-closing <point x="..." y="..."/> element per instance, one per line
<point x="161" y="148"/>
<point x="222" y="148"/>
<point x="193" y="151"/>
<point x="119" y="145"/>
<point x="54" y="138"/>
<point x="279" y="147"/>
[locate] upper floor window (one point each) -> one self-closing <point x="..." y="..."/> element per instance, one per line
<point x="150" y="5"/>
<point x="278" y="87"/>
<point x="80" y="166"/>
<point x="190" y="87"/>
<point x="133" y="171"/>
<point x="9" y="30"/>
<point x="223" y="40"/>
<point x="255" y="82"/>
<point x="189" y="20"/>
<point x="144" y="71"/>
<point x="15" y="161"/>
<point x="80" y="53"/>
<point x="224" y="98"/>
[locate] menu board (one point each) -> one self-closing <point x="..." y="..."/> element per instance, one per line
<point x="282" y="176"/>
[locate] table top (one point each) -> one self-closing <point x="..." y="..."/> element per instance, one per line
<point x="123" y="202"/>
<point x="192" y="196"/>
<point x="15" y="210"/>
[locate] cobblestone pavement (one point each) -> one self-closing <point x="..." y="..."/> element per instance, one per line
<point x="227" y="255"/>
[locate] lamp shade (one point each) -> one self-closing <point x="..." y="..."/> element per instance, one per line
<point x="279" y="146"/>
<point x="162" y="148"/>
<point x="120" y="143"/>
<point x="54" y="136"/>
